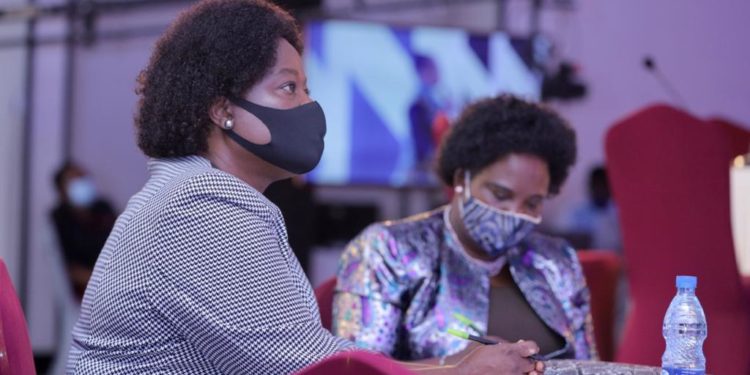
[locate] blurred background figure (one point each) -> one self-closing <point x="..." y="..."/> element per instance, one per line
<point x="596" y="219"/>
<point x="425" y="110"/>
<point x="595" y="223"/>
<point x="83" y="220"/>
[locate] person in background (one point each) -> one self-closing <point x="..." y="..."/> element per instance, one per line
<point x="197" y="276"/>
<point x="402" y="284"/>
<point x="82" y="220"/>
<point x="597" y="218"/>
<point x="424" y="109"/>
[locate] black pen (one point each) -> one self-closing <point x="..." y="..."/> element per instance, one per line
<point x="484" y="341"/>
<point x="467" y="336"/>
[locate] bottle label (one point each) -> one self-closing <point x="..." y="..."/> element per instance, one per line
<point x="681" y="371"/>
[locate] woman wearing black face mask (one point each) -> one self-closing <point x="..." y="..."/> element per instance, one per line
<point x="197" y="276"/>
<point x="403" y="284"/>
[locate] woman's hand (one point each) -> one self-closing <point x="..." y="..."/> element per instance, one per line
<point x="502" y="359"/>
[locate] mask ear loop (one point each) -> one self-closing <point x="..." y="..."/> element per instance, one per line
<point x="467" y="185"/>
<point x="465" y="190"/>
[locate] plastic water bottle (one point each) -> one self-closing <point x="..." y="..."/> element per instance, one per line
<point x="684" y="330"/>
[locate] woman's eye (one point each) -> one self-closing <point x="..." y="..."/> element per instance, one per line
<point x="502" y="197"/>
<point x="290" y="87"/>
<point x="533" y="205"/>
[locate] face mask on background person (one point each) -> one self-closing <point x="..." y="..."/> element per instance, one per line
<point x="81" y="192"/>
<point x="296" y="135"/>
<point x="494" y="230"/>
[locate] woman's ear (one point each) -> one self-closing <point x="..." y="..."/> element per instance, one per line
<point x="220" y="111"/>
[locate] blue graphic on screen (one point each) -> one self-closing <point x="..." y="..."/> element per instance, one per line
<point x="390" y="94"/>
<point x="369" y="163"/>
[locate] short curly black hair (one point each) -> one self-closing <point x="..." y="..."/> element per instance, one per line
<point x="215" y="49"/>
<point x="491" y="129"/>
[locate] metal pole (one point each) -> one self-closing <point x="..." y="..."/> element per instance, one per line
<point x="68" y="80"/>
<point x="502" y="15"/>
<point x="535" y="16"/>
<point x="26" y="164"/>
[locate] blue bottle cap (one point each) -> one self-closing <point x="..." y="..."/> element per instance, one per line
<point x="689" y="282"/>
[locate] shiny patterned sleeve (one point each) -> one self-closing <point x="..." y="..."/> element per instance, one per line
<point x="372" y="282"/>
<point x="583" y="326"/>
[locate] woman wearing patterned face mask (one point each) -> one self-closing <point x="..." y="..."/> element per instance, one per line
<point x="403" y="284"/>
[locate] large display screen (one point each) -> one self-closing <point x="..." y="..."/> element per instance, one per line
<point x="390" y="93"/>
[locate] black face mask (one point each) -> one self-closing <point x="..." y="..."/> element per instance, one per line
<point x="296" y="135"/>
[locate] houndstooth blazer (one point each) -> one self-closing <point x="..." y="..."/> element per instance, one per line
<point x="197" y="277"/>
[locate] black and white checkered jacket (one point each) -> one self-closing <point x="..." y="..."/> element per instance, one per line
<point x="197" y="277"/>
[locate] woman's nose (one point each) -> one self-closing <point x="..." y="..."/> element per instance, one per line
<point x="305" y="98"/>
<point x="512" y="206"/>
<point x="520" y="208"/>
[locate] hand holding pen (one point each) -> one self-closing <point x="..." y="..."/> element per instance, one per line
<point x="526" y="349"/>
<point x="489" y="341"/>
<point x="498" y="359"/>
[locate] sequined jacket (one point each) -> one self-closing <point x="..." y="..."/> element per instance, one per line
<point x="399" y="283"/>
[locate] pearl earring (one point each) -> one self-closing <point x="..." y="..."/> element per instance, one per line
<point x="228" y="124"/>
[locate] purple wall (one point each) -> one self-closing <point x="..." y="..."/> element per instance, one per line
<point x="700" y="46"/>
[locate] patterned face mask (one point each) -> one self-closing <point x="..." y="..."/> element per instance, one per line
<point x="495" y="231"/>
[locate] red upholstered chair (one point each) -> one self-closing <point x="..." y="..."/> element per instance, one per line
<point x="602" y="272"/>
<point x="738" y="135"/>
<point x="15" y="346"/>
<point x="324" y="296"/>
<point x="669" y="174"/>
<point x="356" y="363"/>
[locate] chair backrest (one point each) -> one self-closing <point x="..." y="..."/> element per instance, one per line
<point x="739" y="137"/>
<point x="669" y="172"/>
<point x="324" y="296"/>
<point x="15" y="334"/>
<point x="356" y="363"/>
<point x="602" y="271"/>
